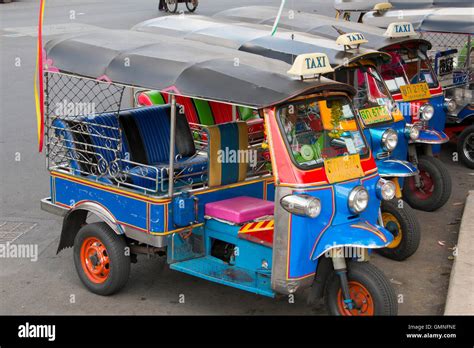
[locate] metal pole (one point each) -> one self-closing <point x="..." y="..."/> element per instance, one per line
<point x="172" y="145"/>
<point x="234" y="113"/>
<point x="468" y="61"/>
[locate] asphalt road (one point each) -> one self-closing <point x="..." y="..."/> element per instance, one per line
<point x="50" y="285"/>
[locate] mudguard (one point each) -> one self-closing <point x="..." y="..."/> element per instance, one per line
<point x="396" y="168"/>
<point x="431" y="136"/>
<point x="359" y="233"/>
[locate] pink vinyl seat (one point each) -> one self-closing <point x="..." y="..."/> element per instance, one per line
<point x="239" y="209"/>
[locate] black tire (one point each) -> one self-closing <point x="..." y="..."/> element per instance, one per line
<point x="192" y="5"/>
<point x="172" y="5"/>
<point x="441" y="189"/>
<point x="381" y="291"/>
<point x="115" y="250"/>
<point x="405" y="228"/>
<point x="465" y="146"/>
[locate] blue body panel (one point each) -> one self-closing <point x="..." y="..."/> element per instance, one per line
<point x="395" y="168"/>
<point x="466" y="112"/>
<point x="335" y="226"/>
<point x="437" y="122"/>
<point x="430" y="136"/>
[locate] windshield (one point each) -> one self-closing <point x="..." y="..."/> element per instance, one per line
<point x="317" y="129"/>
<point x="408" y="67"/>
<point x="373" y="97"/>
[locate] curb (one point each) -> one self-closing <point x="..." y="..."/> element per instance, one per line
<point x="460" y="298"/>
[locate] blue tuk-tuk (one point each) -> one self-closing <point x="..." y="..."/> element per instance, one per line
<point x="417" y="91"/>
<point x="384" y="125"/>
<point x="450" y="31"/>
<point x="210" y="203"/>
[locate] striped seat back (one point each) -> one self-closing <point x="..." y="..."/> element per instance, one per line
<point x="227" y="153"/>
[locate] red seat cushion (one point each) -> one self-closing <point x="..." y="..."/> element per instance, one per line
<point x="239" y="209"/>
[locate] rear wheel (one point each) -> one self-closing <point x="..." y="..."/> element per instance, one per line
<point x="434" y="188"/>
<point x="100" y="258"/>
<point x="465" y="147"/>
<point x="192" y="5"/>
<point x="172" y="5"/>
<point x="369" y="288"/>
<point x="403" y="225"/>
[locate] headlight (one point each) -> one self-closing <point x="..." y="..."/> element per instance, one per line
<point x="358" y="199"/>
<point x="389" y="140"/>
<point x="412" y="131"/>
<point x="303" y="205"/>
<point x="449" y="105"/>
<point x="426" y="112"/>
<point x="385" y="189"/>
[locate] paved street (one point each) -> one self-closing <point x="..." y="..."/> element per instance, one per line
<point x="50" y="284"/>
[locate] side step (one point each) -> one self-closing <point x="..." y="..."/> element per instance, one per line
<point x="213" y="269"/>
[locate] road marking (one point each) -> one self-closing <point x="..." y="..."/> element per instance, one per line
<point x="11" y="230"/>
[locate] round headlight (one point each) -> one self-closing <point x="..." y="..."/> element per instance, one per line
<point x="426" y="112"/>
<point x="389" y="140"/>
<point x="358" y="199"/>
<point x="303" y="205"/>
<point x="313" y="208"/>
<point x="412" y="131"/>
<point x="449" y="105"/>
<point x="386" y="189"/>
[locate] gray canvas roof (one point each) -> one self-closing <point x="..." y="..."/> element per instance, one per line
<point x="368" y="5"/>
<point x="255" y="38"/>
<point x="310" y="23"/>
<point x="193" y="69"/>
<point x="447" y="20"/>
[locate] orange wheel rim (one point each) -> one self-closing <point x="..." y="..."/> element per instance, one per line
<point x="95" y="260"/>
<point x="388" y="219"/>
<point x="363" y="302"/>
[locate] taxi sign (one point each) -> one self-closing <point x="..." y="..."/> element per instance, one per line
<point x="377" y="114"/>
<point x="350" y="39"/>
<point x="400" y="29"/>
<point x="310" y="64"/>
<point x="415" y="91"/>
<point x="382" y="6"/>
<point x="343" y="168"/>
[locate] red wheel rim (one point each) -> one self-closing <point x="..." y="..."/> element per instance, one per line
<point x="427" y="186"/>
<point x="95" y="260"/>
<point x="364" y="304"/>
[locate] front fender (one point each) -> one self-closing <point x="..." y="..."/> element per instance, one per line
<point x="431" y="136"/>
<point x="396" y="168"/>
<point x="359" y="233"/>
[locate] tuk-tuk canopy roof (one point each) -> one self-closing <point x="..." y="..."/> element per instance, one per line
<point x="188" y="68"/>
<point x="314" y="24"/>
<point x="368" y="5"/>
<point x="256" y="38"/>
<point x="446" y="20"/>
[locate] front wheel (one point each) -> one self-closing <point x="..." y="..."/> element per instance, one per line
<point x="101" y="258"/>
<point x="370" y="290"/>
<point x="465" y="147"/>
<point x="192" y="5"/>
<point x="402" y="223"/>
<point x="434" y="186"/>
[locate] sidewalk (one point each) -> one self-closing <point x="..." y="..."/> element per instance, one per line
<point x="460" y="299"/>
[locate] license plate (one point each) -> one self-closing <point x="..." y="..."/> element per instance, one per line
<point x="343" y="168"/>
<point x="375" y="115"/>
<point x="415" y="92"/>
<point x="446" y="66"/>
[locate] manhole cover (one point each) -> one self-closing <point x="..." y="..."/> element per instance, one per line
<point x="11" y="230"/>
